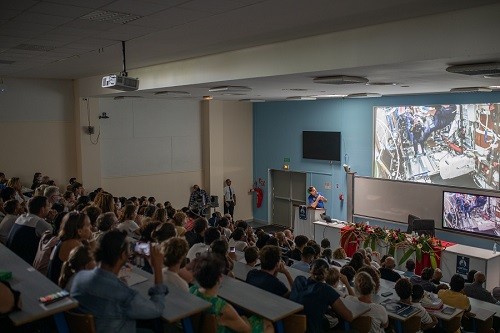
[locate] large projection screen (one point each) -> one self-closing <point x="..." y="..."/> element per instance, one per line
<point x="451" y="145"/>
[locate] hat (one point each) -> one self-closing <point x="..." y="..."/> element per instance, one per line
<point x="496" y="293"/>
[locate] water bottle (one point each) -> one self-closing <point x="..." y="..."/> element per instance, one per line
<point x="494" y="248"/>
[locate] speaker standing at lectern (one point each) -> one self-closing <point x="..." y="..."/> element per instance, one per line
<point x="315" y="199"/>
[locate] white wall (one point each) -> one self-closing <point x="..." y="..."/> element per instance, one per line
<point x="37" y="129"/>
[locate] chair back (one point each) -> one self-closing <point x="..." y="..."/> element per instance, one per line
<point x="80" y="322"/>
<point x="412" y="324"/>
<point x="295" y="323"/>
<point x="362" y="324"/>
<point x="453" y="325"/>
<point x="204" y="322"/>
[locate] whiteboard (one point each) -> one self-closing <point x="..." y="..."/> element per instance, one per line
<point x="393" y="200"/>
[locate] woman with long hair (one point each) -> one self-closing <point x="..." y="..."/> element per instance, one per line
<point x="127" y="222"/>
<point x="80" y="258"/>
<point x="75" y="231"/>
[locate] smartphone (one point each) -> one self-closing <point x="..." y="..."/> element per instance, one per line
<point x="387" y="293"/>
<point x="142" y="248"/>
<point x="448" y="310"/>
<point x="232" y="249"/>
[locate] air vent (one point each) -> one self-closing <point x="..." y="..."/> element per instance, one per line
<point x="340" y="79"/>
<point x="381" y="84"/>
<point x="252" y="100"/>
<point x="6" y="62"/>
<point x="33" y="47"/>
<point x="110" y="17"/>
<point x="301" y="98"/>
<point x="490" y="68"/>
<point x="173" y="93"/>
<point x="470" y="89"/>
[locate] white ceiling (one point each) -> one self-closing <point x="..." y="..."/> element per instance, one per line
<point x="51" y="39"/>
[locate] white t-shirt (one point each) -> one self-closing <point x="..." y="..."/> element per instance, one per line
<point x="129" y="226"/>
<point x="197" y="248"/>
<point x="172" y="278"/>
<point x="426" y="318"/>
<point x="378" y="314"/>
<point x="238" y="245"/>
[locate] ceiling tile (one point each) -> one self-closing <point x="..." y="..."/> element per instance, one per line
<point x="66" y="50"/>
<point x="214" y="6"/>
<point x="8" y="42"/>
<point x="92" y="43"/>
<point x="170" y="18"/>
<point x="41" y="18"/>
<point x="126" y="32"/>
<point x="91" y="25"/>
<point x="60" y="9"/>
<point x="137" y="7"/>
<point x="70" y="31"/>
<point x="7" y="14"/>
<point x="86" y="3"/>
<point x="25" y="30"/>
<point x="17" y="4"/>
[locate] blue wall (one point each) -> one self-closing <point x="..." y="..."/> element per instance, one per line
<point x="278" y="130"/>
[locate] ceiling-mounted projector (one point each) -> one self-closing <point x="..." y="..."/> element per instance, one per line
<point x="120" y="82"/>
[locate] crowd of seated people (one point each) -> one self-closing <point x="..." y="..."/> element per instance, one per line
<point x="82" y="241"/>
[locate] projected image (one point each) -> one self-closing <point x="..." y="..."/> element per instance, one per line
<point x="472" y="213"/>
<point x="443" y="144"/>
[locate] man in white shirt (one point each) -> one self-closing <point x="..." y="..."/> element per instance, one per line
<point x="229" y="198"/>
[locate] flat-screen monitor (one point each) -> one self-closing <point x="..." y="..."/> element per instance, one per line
<point x="424" y="227"/>
<point x="321" y="145"/>
<point x="471" y="213"/>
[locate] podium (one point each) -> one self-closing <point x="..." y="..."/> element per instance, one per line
<point x="305" y="226"/>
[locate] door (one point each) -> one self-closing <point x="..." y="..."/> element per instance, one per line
<point x="288" y="191"/>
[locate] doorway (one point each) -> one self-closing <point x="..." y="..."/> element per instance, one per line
<point x="287" y="192"/>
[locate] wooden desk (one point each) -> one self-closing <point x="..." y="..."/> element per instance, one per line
<point x="179" y="304"/>
<point x="33" y="285"/>
<point x="258" y="301"/>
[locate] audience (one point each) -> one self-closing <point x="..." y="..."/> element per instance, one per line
<point x="436" y="276"/>
<point x="417" y="293"/>
<point x="251" y="255"/>
<point x="114" y="305"/>
<point x="179" y="219"/>
<point x="476" y="289"/>
<point x="300" y="243"/>
<point x="365" y="288"/>
<point x="238" y="239"/>
<point x="270" y="265"/>
<point x="105" y="222"/>
<point x="425" y="280"/>
<point x="349" y="273"/>
<point x="387" y="270"/>
<point x="164" y="231"/>
<point x="75" y="230"/>
<point x="333" y="277"/>
<point x="26" y="232"/>
<point x="12" y="210"/>
<point x="208" y="273"/>
<point x="127" y="222"/>
<point x="316" y="296"/>
<point x="220" y="248"/>
<point x="454" y="296"/>
<point x="307" y="258"/>
<point x="212" y="234"/>
<point x="357" y="261"/>
<point x="80" y="258"/>
<point x="410" y="268"/>
<point x="174" y="252"/>
<point x="196" y="234"/>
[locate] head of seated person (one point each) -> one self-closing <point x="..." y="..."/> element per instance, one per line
<point x="270" y="257"/>
<point x="339" y="253"/>
<point x="308" y="254"/>
<point x="251" y="254"/>
<point x="357" y="261"/>
<point x="300" y="241"/>
<point x="410" y="265"/>
<point x="403" y="289"/>
<point x="364" y="285"/>
<point x="470" y="276"/>
<point x="374" y="274"/>
<point x="417" y="293"/>
<point x="427" y="273"/>
<point x="211" y="235"/>
<point x="457" y="283"/>
<point x="349" y="273"/>
<point x="208" y="270"/>
<point x="80" y="258"/>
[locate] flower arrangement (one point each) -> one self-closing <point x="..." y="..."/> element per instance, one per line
<point x="392" y="239"/>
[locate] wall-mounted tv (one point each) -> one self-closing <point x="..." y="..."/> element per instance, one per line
<point x="471" y="213"/>
<point x="321" y="145"/>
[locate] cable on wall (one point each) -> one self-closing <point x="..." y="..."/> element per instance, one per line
<point x="90" y="125"/>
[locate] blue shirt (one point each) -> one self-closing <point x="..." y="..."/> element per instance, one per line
<point x="302" y="265"/>
<point x="311" y="198"/>
<point x="113" y="304"/>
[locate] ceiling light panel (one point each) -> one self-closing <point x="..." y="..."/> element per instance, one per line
<point x="470" y="89"/>
<point x="110" y="17"/>
<point x="364" y="95"/>
<point x="340" y="79"/>
<point x="230" y="89"/>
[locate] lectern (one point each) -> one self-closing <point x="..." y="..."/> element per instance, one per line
<point x="305" y="226"/>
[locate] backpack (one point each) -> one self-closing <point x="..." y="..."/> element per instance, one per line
<point x="47" y="243"/>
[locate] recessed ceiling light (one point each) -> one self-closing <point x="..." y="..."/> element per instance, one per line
<point x="492" y="76"/>
<point x="295" y="89"/>
<point x="301" y="98"/>
<point x="173" y="93"/>
<point x="490" y="68"/>
<point x="364" y="95"/>
<point x="232" y="94"/>
<point x="126" y="97"/>
<point x="340" y="79"/>
<point x="208" y="98"/>
<point x="251" y="100"/>
<point x="405" y="86"/>
<point x="230" y="89"/>
<point x="494" y="87"/>
<point x="381" y="83"/>
<point x="329" y="96"/>
<point x="470" y="89"/>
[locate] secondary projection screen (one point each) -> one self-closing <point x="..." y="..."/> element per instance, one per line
<point x="452" y="145"/>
